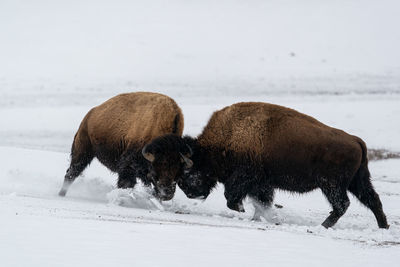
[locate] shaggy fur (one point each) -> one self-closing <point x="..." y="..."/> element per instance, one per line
<point x="116" y="131"/>
<point x="255" y="148"/>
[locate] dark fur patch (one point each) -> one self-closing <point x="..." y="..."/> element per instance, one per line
<point x="169" y="143"/>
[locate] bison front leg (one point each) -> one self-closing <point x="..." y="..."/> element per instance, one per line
<point x="129" y="168"/>
<point x="262" y="200"/>
<point x="126" y="178"/>
<point x="236" y="189"/>
<point x="234" y="198"/>
<point x="236" y="205"/>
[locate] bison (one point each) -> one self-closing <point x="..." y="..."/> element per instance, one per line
<point x="254" y="148"/>
<point x="116" y="133"/>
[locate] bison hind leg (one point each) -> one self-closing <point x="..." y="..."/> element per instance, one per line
<point x="339" y="200"/>
<point x="362" y="188"/>
<point x="81" y="156"/>
<point x="77" y="166"/>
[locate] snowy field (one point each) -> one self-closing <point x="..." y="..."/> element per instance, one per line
<point x="336" y="61"/>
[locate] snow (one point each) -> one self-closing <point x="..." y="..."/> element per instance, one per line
<point x="336" y="61"/>
<point x="149" y="244"/>
<point x="97" y="224"/>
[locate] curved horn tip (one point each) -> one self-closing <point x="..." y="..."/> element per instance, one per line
<point x="190" y="151"/>
<point x="149" y="156"/>
<point x="188" y="162"/>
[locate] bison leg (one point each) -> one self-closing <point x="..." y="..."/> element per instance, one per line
<point x="126" y="178"/>
<point x="81" y="156"/>
<point x="141" y="169"/>
<point x="77" y="166"/>
<point x="236" y="205"/>
<point x="236" y="189"/>
<point x="339" y="200"/>
<point x="262" y="200"/>
<point x="364" y="191"/>
<point x="129" y="167"/>
<point x="234" y="198"/>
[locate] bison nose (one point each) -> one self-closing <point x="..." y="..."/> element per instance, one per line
<point x="166" y="197"/>
<point x="166" y="193"/>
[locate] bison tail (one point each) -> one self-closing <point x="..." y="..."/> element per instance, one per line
<point x="364" y="159"/>
<point x="177" y="127"/>
<point x="362" y="177"/>
<point x="81" y="141"/>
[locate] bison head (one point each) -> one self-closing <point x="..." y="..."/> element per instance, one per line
<point x="169" y="157"/>
<point x="196" y="184"/>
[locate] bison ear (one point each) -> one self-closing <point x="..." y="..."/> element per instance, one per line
<point x="188" y="162"/>
<point x="147" y="155"/>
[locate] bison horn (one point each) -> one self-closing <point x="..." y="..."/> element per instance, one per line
<point x="190" y="151"/>
<point x="149" y="156"/>
<point x="188" y="162"/>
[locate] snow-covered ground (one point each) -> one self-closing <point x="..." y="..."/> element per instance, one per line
<point x="100" y="225"/>
<point x="337" y="61"/>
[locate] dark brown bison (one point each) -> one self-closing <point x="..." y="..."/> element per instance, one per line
<point x="255" y="148"/>
<point x="116" y="132"/>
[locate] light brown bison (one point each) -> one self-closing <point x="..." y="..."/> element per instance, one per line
<point x="255" y="148"/>
<point x="116" y="132"/>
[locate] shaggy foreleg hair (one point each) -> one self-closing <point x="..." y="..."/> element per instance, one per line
<point x="240" y="183"/>
<point x="132" y="165"/>
<point x="263" y="194"/>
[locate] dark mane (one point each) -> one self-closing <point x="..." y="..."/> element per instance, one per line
<point x="168" y="143"/>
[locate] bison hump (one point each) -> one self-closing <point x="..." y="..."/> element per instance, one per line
<point x="134" y="118"/>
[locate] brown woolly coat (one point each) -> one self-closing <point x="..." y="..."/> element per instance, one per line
<point x="272" y="134"/>
<point x="126" y="121"/>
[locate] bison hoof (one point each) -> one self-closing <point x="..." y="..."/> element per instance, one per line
<point x="236" y="206"/>
<point x="384" y="226"/>
<point x="328" y="223"/>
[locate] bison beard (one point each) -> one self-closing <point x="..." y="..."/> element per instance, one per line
<point x="287" y="150"/>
